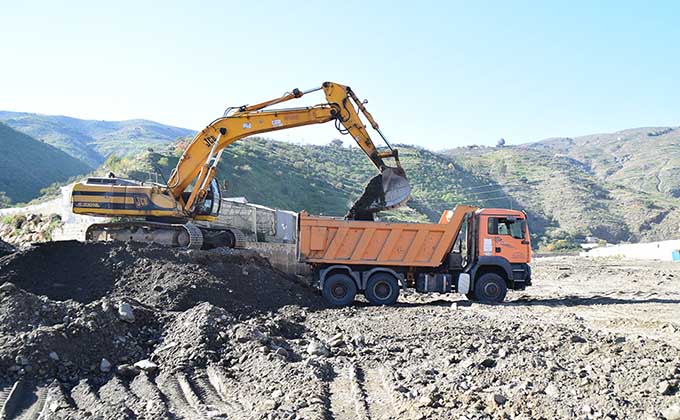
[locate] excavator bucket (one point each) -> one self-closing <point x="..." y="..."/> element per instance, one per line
<point x="385" y="191"/>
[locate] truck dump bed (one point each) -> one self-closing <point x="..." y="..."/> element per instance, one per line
<point x="327" y="240"/>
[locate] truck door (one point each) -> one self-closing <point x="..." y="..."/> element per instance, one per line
<point x="505" y="236"/>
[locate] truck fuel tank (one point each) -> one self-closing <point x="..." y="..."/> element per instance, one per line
<point x="434" y="283"/>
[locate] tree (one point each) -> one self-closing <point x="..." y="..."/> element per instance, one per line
<point x="336" y="143"/>
<point x="500" y="143"/>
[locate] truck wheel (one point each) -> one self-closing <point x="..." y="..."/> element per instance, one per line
<point x="382" y="289"/>
<point x="339" y="289"/>
<point x="490" y="288"/>
<point x="471" y="296"/>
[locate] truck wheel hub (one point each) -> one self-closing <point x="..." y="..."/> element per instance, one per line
<point x="491" y="290"/>
<point x="339" y="290"/>
<point x="382" y="290"/>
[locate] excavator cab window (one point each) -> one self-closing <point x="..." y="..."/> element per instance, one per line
<point x="213" y="200"/>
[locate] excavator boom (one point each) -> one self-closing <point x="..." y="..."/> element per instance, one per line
<point x="197" y="165"/>
<point x="192" y="193"/>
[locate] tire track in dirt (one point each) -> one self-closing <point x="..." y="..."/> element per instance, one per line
<point x="177" y="400"/>
<point x="4" y="396"/>
<point x="357" y="392"/>
<point x="346" y="397"/>
<point x="219" y="382"/>
<point x="379" y="395"/>
<point x="23" y="401"/>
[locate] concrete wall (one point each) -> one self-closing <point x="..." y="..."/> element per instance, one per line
<point x="281" y="256"/>
<point x="644" y="251"/>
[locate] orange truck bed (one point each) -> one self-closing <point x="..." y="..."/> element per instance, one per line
<point x="327" y="240"/>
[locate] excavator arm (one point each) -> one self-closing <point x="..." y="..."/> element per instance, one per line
<point x="197" y="166"/>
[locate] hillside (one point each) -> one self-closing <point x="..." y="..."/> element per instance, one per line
<point x="28" y="165"/>
<point x="92" y="141"/>
<point x="322" y="179"/>
<point x="646" y="159"/>
<point x="569" y="198"/>
<point x="621" y="186"/>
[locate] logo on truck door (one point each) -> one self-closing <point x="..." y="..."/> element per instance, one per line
<point x="488" y="247"/>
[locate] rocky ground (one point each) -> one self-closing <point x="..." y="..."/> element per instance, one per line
<point x="21" y="230"/>
<point x="128" y="331"/>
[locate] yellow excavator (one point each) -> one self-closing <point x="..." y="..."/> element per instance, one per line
<point x="165" y="214"/>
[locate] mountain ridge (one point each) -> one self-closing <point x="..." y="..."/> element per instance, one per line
<point x="92" y="141"/>
<point x="621" y="186"/>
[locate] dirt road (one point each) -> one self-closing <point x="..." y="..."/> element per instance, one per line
<point x="154" y="333"/>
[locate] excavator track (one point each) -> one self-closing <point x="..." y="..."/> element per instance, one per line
<point x="177" y="235"/>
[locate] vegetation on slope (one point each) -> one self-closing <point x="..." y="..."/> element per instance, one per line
<point x="646" y="159"/>
<point x="90" y="140"/>
<point x="568" y="201"/>
<point x="28" y="165"/>
<point x="325" y="179"/>
<point x="618" y="187"/>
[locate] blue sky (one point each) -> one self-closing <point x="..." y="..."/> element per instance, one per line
<point x="436" y="74"/>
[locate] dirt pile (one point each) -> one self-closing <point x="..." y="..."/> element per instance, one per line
<point x="5" y="248"/>
<point x="163" y="278"/>
<point x="145" y="332"/>
<point x="79" y="322"/>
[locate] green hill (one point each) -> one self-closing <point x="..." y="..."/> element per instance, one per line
<point x="93" y="141"/>
<point x="28" y="165"/>
<point x="622" y="186"/>
<point x="572" y="200"/>
<point x="321" y="179"/>
<point x="646" y="159"/>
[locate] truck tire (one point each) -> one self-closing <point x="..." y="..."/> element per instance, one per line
<point x="490" y="288"/>
<point x="339" y="289"/>
<point x="382" y="289"/>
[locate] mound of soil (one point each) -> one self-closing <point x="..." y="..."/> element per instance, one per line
<point x="70" y="310"/>
<point x="240" y="281"/>
<point x="5" y="248"/>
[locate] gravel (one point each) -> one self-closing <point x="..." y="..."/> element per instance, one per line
<point x="209" y="341"/>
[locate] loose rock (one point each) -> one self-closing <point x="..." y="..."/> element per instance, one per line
<point x="105" y="366"/>
<point x="316" y="348"/>
<point x="125" y="312"/>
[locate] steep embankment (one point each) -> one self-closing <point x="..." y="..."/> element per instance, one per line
<point x="28" y="165"/>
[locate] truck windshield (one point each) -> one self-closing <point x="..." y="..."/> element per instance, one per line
<point x="503" y="226"/>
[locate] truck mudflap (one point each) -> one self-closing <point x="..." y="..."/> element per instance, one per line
<point x="464" y="283"/>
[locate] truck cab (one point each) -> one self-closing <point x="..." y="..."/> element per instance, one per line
<point x="493" y="250"/>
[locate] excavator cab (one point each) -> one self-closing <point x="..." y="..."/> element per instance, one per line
<point x="210" y="206"/>
<point x="212" y="203"/>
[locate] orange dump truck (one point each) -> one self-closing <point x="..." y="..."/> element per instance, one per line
<point x="479" y="252"/>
